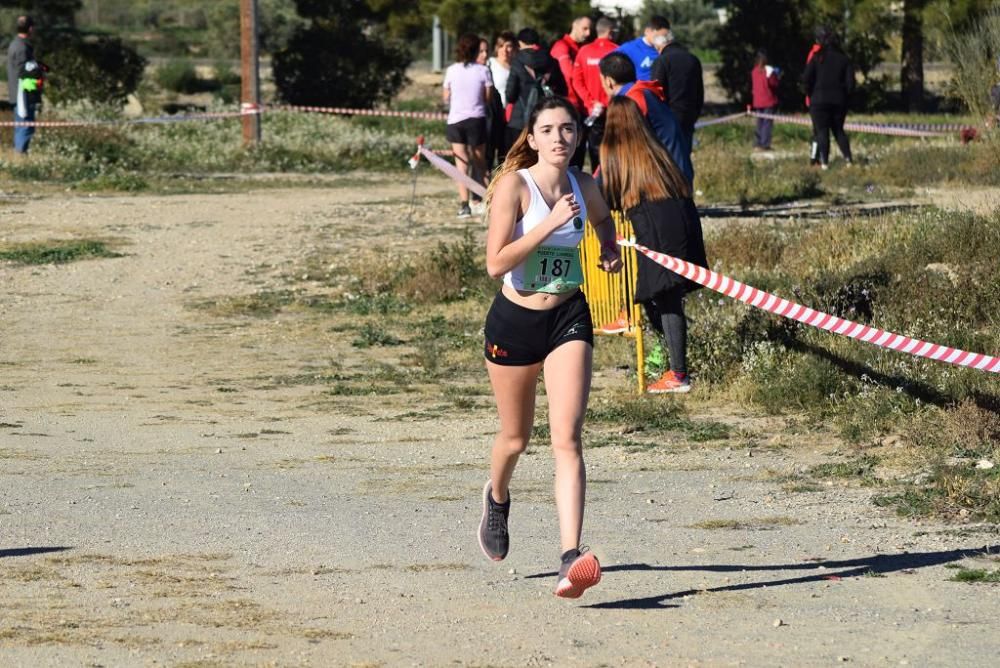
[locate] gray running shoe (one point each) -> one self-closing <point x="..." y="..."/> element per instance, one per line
<point x="464" y="211"/>
<point x="493" y="537"/>
<point x="578" y="572"/>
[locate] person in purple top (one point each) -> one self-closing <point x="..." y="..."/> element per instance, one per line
<point x="467" y="87"/>
<point x="642" y="51"/>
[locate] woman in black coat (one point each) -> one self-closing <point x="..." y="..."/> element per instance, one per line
<point x="640" y="178"/>
<point x="829" y="80"/>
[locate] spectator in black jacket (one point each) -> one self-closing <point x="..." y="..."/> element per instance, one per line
<point x="829" y="80"/>
<point x="534" y="75"/>
<point x="678" y="72"/>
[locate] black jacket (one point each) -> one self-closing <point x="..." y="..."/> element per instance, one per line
<point x="679" y="72"/>
<point x="670" y="226"/>
<point x="829" y="79"/>
<point x="527" y="66"/>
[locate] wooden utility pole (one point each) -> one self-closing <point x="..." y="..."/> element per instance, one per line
<point x="249" y="71"/>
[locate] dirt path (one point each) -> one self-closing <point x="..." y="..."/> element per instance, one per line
<point x="169" y="494"/>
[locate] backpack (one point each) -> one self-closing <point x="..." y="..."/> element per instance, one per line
<point x="539" y="90"/>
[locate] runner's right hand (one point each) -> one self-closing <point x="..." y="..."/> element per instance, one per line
<point x="565" y="209"/>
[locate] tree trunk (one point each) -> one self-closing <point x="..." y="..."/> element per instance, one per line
<point x="911" y="73"/>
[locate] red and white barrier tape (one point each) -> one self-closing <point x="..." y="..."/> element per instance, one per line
<point x="722" y="119"/>
<point x="774" y="304"/>
<point x="153" y="120"/>
<point x="449" y="169"/>
<point x="899" y="130"/>
<point x="343" y="111"/>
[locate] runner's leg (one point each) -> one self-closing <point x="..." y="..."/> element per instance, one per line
<point x="514" y="390"/>
<point x="462" y="163"/>
<point x="567" y="385"/>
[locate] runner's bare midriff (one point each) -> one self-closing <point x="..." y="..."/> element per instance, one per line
<point x="537" y="301"/>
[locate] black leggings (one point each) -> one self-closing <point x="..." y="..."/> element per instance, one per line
<point x="666" y="315"/>
<point x="825" y="119"/>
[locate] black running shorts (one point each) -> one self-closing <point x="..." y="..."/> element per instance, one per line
<point x="471" y="132"/>
<point x="519" y="336"/>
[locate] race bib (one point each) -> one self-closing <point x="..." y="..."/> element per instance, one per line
<point x="553" y="269"/>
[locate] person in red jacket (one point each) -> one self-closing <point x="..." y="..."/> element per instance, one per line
<point x="564" y="52"/>
<point x="586" y="83"/>
<point x="764" y="79"/>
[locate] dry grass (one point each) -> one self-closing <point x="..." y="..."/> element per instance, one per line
<point x="760" y="523"/>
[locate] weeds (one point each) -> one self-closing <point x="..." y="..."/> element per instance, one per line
<point x="636" y="414"/>
<point x="976" y="575"/>
<point x="761" y="523"/>
<point x="56" y="252"/>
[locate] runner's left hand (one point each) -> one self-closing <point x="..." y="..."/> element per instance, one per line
<point x="611" y="259"/>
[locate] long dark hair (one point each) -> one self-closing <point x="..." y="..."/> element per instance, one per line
<point x="634" y="165"/>
<point x="467" y="48"/>
<point x="521" y="154"/>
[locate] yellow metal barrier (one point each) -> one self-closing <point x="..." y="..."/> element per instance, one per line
<point x="611" y="295"/>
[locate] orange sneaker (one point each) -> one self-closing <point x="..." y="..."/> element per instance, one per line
<point x="671" y="381"/>
<point x="579" y="571"/>
<point x="616" y="326"/>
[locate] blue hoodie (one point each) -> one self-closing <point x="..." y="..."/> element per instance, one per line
<point x="642" y="55"/>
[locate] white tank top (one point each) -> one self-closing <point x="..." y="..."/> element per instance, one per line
<point x="554" y="266"/>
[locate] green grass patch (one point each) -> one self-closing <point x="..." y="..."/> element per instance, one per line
<point x="56" y="251"/>
<point x="861" y="469"/>
<point x="976" y="575"/>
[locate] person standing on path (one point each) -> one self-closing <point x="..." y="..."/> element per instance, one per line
<point x="642" y="51"/>
<point x="829" y="80"/>
<point x="565" y="51"/>
<point x="679" y="73"/>
<point x="640" y="178"/>
<point x="764" y="81"/>
<point x="586" y="83"/>
<point x="466" y="91"/>
<point x="540" y="321"/>
<point x="20" y="53"/>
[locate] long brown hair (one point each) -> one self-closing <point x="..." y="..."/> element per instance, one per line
<point x="634" y="165"/>
<point x="521" y="155"/>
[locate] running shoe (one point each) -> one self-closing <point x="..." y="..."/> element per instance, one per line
<point x="616" y="326"/>
<point x="671" y="381"/>
<point x="493" y="537"/>
<point x="578" y="572"/>
<point x="465" y="211"/>
<point x="477" y="207"/>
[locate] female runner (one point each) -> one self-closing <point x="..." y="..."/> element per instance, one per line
<point x="539" y="321"/>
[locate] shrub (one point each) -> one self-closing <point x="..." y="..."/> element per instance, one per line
<point x="336" y="63"/>
<point x="178" y="76"/>
<point x="101" y="70"/>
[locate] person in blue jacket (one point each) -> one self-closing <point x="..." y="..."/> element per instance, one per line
<point x="618" y="76"/>
<point x="642" y="51"/>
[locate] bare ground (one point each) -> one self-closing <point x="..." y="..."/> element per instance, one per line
<point x="174" y="491"/>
